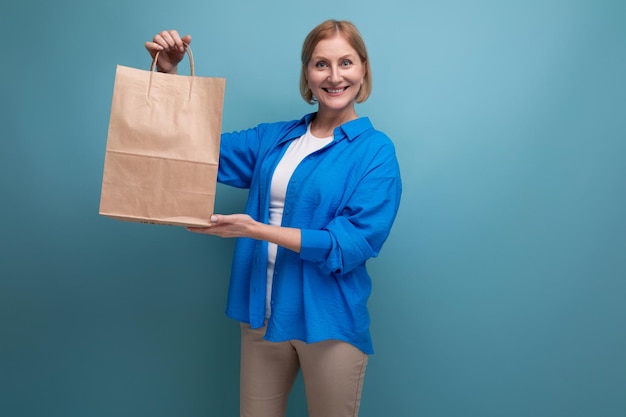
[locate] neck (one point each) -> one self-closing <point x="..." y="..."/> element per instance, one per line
<point x="324" y="124"/>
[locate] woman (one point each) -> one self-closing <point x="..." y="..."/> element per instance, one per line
<point x="323" y="194"/>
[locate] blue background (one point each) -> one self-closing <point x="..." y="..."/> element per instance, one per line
<point x="501" y="291"/>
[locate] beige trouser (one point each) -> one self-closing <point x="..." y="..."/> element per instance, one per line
<point x="333" y="373"/>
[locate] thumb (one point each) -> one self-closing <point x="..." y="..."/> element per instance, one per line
<point x="186" y="39"/>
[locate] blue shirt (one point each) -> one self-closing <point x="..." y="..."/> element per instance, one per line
<point x="344" y="198"/>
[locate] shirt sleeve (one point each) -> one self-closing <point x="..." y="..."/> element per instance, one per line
<point x="365" y="220"/>
<point x="238" y="156"/>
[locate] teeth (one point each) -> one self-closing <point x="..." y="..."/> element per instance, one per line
<point x="335" y="91"/>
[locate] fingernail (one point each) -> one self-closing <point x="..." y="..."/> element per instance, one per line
<point x="213" y="219"/>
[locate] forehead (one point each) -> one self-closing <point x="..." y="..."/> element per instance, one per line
<point x="337" y="46"/>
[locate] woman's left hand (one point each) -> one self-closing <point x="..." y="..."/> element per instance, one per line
<point x="227" y="225"/>
<point x="242" y="225"/>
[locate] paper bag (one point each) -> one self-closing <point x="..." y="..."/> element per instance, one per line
<point x="162" y="148"/>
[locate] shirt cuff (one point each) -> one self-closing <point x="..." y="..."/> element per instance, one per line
<point x="315" y="245"/>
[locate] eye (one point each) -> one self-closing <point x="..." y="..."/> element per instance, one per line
<point x="321" y="64"/>
<point x="346" y="63"/>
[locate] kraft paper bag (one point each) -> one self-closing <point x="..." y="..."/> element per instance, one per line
<point x="162" y="148"/>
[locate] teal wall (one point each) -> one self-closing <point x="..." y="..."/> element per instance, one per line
<point x="500" y="293"/>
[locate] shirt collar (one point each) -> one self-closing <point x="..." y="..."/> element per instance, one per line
<point x="350" y="130"/>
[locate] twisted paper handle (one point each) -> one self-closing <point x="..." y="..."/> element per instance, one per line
<point x="189" y="54"/>
<point x="191" y="65"/>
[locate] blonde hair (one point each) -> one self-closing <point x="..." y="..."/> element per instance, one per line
<point x="326" y="30"/>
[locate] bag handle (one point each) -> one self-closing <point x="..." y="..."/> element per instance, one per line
<point x="189" y="54"/>
<point x="153" y="66"/>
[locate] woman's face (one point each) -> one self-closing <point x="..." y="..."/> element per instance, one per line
<point x="335" y="74"/>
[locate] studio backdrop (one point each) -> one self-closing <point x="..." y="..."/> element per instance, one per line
<point x="500" y="292"/>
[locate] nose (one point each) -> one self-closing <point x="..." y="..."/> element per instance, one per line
<point x="335" y="75"/>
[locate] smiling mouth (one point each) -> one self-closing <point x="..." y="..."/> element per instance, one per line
<point x="335" y="90"/>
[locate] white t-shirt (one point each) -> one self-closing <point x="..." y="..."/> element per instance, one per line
<point x="298" y="150"/>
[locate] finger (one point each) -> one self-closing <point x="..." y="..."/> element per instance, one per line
<point x="173" y="36"/>
<point x="187" y="40"/>
<point x="166" y="39"/>
<point x="204" y="230"/>
<point x="180" y="43"/>
<point x="153" y="48"/>
<point x="162" y="42"/>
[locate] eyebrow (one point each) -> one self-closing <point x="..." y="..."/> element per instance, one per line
<point x="318" y="57"/>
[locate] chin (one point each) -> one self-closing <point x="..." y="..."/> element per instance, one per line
<point x="337" y="107"/>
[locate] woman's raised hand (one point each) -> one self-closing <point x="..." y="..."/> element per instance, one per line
<point x="171" y="47"/>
